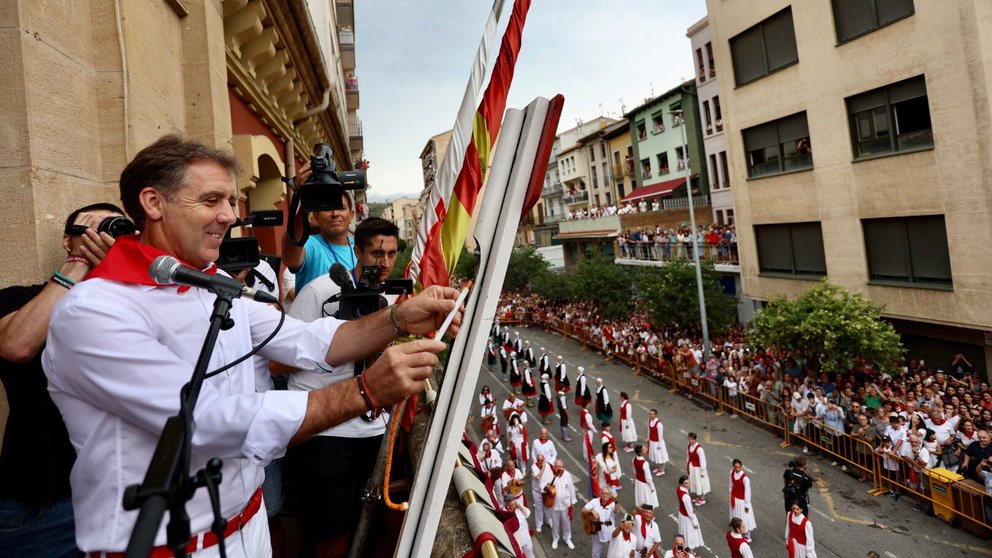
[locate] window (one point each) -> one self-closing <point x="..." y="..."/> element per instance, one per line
<point x="717" y="113"/>
<point x="724" y="172"/>
<point x="676" y="111"/>
<point x="657" y="123"/>
<point x="602" y="149"/>
<point x="595" y="199"/>
<point x="791" y="249"/>
<point x="646" y="167"/>
<point x="663" y="163"/>
<point x="764" y="48"/>
<point x="616" y="159"/>
<point x="642" y="131"/>
<point x="708" y="116"/>
<point x="908" y="250"/>
<point x="609" y="199"/>
<point x="595" y="178"/>
<point x="701" y="74"/>
<point x="709" y="58"/>
<point x="714" y="175"/>
<point x="854" y="18"/>
<point x="730" y="216"/>
<point x="592" y="152"/>
<point x="606" y="175"/>
<point x="778" y="146"/>
<point x="620" y="191"/>
<point x="891" y="118"/>
<point x="682" y="160"/>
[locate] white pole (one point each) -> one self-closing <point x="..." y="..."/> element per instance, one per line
<point x="695" y="241"/>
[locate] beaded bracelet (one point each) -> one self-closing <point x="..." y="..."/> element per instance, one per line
<point x="77" y="258"/>
<point x="62" y="280"/>
<point x="396" y="322"/>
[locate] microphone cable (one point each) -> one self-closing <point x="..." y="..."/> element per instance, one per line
<point x="246" y="356"/>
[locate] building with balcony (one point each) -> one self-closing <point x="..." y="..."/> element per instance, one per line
<point x="660" y="155"/>
<point x="574" y="162"/>
<point x="603" y="188"/>
<point x="714" y="142"/>
<point x="621" y="151"/>
<point x="405" y="213"/>
<point x="432" y="155"/>
<point x="895" y="100"/>
<point x="254" y="75"/>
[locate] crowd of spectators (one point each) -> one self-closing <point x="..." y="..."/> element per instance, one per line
<point x="913" y="415"/>
<point x="717" y="242"/>
<point x="626" y="208"/>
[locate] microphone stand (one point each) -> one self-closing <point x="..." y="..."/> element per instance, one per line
<point x="167" y="484"/>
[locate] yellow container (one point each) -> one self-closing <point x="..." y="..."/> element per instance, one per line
<point x="940" y="490"/>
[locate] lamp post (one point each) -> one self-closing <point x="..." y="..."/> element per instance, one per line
<point x="678" y="115"/>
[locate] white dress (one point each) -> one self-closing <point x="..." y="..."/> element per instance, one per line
<point x="628" y="432"/>
<point x="688" y="524"/>
<point x="699" y="480"/>
<point x="644" y="492"/>
<point x="797" y="550"/>
<point x="658" y="451"/>
<point x="738" y="506"/>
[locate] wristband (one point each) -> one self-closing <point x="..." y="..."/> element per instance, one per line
<point x="400" y="332"/>
<point x="62" y="280"/>
<point x="366" y="396"/>
<point x="77" y="258"/>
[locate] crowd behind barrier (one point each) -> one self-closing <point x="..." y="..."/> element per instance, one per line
<point x="844" y="418"/>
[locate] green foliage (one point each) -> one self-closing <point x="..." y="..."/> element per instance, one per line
<point x="376" y="208"/>
<point x="598" y="280"/>
<point x="672" y="296"/>
<point x="831" y="321"/>
<point x="402" y="259"/>
<point x="525" y="264"/>
<point x="466" y="266"/>
<point x="554" y="286"/>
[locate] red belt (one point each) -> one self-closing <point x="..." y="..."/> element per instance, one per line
<point x="209" y="537"/>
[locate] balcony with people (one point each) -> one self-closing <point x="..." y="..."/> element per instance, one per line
<point x="716" y="243"/>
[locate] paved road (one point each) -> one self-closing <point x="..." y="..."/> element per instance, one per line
<point x="847" y="521"/>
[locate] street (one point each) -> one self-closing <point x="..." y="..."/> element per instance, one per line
<point x="847" y="521"/>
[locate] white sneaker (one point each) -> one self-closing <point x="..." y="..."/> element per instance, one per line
<point x="554" y="544"/>
<point x="568" y="543"/>
<point x="805" y="450"/>
<point x="538" y="530"/>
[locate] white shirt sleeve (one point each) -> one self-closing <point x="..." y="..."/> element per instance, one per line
<point x="810" y="545"/>
<point x="702" y="459"/>
<point x="606" y="396"/>
<point x="690" y="513"/>
<point x="747" y="492"/>
<point x="746" y="551"/>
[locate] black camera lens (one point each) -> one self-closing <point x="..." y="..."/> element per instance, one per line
<point x="117" y="226"/>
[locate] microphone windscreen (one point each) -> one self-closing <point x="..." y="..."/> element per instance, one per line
<point x="340" y="275"/>
<point x="163" y="270"/>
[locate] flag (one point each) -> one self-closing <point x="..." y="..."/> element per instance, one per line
<point x="445" y="223"/>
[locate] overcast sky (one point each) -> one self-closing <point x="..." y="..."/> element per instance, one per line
<point x="413" y="59"/>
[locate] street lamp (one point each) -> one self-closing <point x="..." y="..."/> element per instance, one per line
<point x="678" y="119"/>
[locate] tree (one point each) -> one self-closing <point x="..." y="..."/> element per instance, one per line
<point x="607" y="285"/>
<point x="672" y="296"/>
<point x="829" y="321"/>
<point x="525" y="264"/>
<point x="554" y="286"/>
<point x="402" y="259"/>
<point x="466" y="266"/>
<point x="376" y="208"/>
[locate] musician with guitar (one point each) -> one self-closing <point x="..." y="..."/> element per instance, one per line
<point x="561" y="510"/>
<point x="541" y="476"/>
<point x="647" y="533"/>
<point x="598" y="518"/>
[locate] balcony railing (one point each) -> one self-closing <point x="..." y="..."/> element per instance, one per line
<point x="354" y="128"/>
<point x="576" y="197"/>
<point x="346" y="36"/>
<point x="555" y="188"/>
<point x="548" y="219"/>
<point x="724" y="254"/>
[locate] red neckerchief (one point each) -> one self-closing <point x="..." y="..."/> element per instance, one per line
<point x="626" y="535"/>
<point x="128" y="260"/>
<point x="644" y="528"/>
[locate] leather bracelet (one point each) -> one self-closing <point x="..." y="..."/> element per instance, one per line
<point x="61" y="281"/>
<point x="366" y="396"/>
<point x="78" y="258"/>
<point x="400" y="332"/>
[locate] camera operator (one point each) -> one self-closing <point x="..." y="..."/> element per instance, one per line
<point x="35" y="504"/>
<point x="332" y="245"/>
<point x="121" y="347"/>
<point x="334" y="466"/>
<point x="797" y="485"/>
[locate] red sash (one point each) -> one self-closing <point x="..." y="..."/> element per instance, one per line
<point x="735" y="545"/>
<point x="653" y="430"/>
<point x="737" y="489"/>
<point x="639" y="469"/>
<point x="797" y="532"/>
<point x="694" y="455"/>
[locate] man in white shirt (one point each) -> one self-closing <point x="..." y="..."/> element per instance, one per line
<point x="561" y="511"/>
<point x="647" y="532"/>
<point x="622" y="541"/>
<point x="335" y="465"/>
<point x="545" y="446"/>
<point x="541" y="474"/>
<point x="522" y="532"/>
<point x="121" y="347"/>
<point x="601" y="512"/>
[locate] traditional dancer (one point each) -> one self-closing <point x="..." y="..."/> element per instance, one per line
<point x="516" y="380"/>
<point x="529" y="358"/>
<point x="696" y="469"/>
<point x="688" y="523"/>
<point x="582" y="393"/>
<point x="738" y="540"/>
<point x="561" y="376"/>
<point x="604" y="411"/>
<point x="740" y="496"/>
<point x="546" y="401"/>
<point x="644" y="490"/>
<point x="647" y="532"/>
<point x="543" y="363"/>
<point x="628" y="432"/>
<point x="799" y="534"/>
<point x="504" y="359"/>
<point x="563" y="416"/>
<point x="608" y="468"/>
<point x="657" y="449"/>
<point x="491" y="355"/>
<point x="528" y="388"/>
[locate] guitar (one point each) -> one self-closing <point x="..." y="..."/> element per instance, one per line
<point x="550" y="493"/>
<point x="592" y="526"/>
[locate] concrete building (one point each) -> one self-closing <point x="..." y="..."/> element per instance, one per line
<point x="621" y="149"/>
<point x="574" y="162"/>
<point x="405" y="213"/>
<point x="714" y="142"/>
<point x="896" y="104"/>
<point x="600" y="158"/>
<point x="432" y="155"/>
<point x="87" y="87"/>
<point x="658" y="145"/>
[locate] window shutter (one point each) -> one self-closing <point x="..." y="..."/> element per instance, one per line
<point x="807" y="247"/>
<point x="866" y="101"/>
<point x="780" y="40"/>
<point x="928" y="249"/>
<point x="852" y="18"/>
<point x="909" y="89"/>
<point x="763" y="135"/>
<point x="885" y="242"/>
<point x="748" y="55"/>
<point x="793" y="128"/>
<point x="774" y="248"/>
<point x="891" y="10"/>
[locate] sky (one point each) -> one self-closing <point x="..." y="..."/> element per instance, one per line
<point x="413" y="59"/>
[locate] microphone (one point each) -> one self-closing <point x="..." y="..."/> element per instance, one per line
<point x="341" y="277"/>
<point x="166" y="270"/>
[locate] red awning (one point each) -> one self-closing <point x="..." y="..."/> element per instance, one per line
<point x="655" y="190"/>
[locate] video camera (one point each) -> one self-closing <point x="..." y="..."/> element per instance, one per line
<point x="237" y="254"/>
<point x="116" y="226"/>
<point x="325" y="187"/>
<point x="367" y="297"/>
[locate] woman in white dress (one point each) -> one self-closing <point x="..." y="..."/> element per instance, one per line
<point x="688" y="523"/>
<point x="608" y="468"/>
<point x="799" y="534"/>
<point x="740" y="496"/>
<point x="657" y="450"/>
<point x="644" y="491"/>
<point x="628" y="431"/>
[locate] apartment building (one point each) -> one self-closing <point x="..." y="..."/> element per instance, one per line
<point x="711" y="117"/>
<point x="859" y="150"/>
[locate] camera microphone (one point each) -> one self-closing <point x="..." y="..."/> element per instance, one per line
<point x="341" y="277"/>
<point x="167" y="270"/>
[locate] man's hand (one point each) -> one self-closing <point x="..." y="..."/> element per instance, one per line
<point x="93" y="245"/>
<point x="426" y="312"/>
<point x="401" y="370"/>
